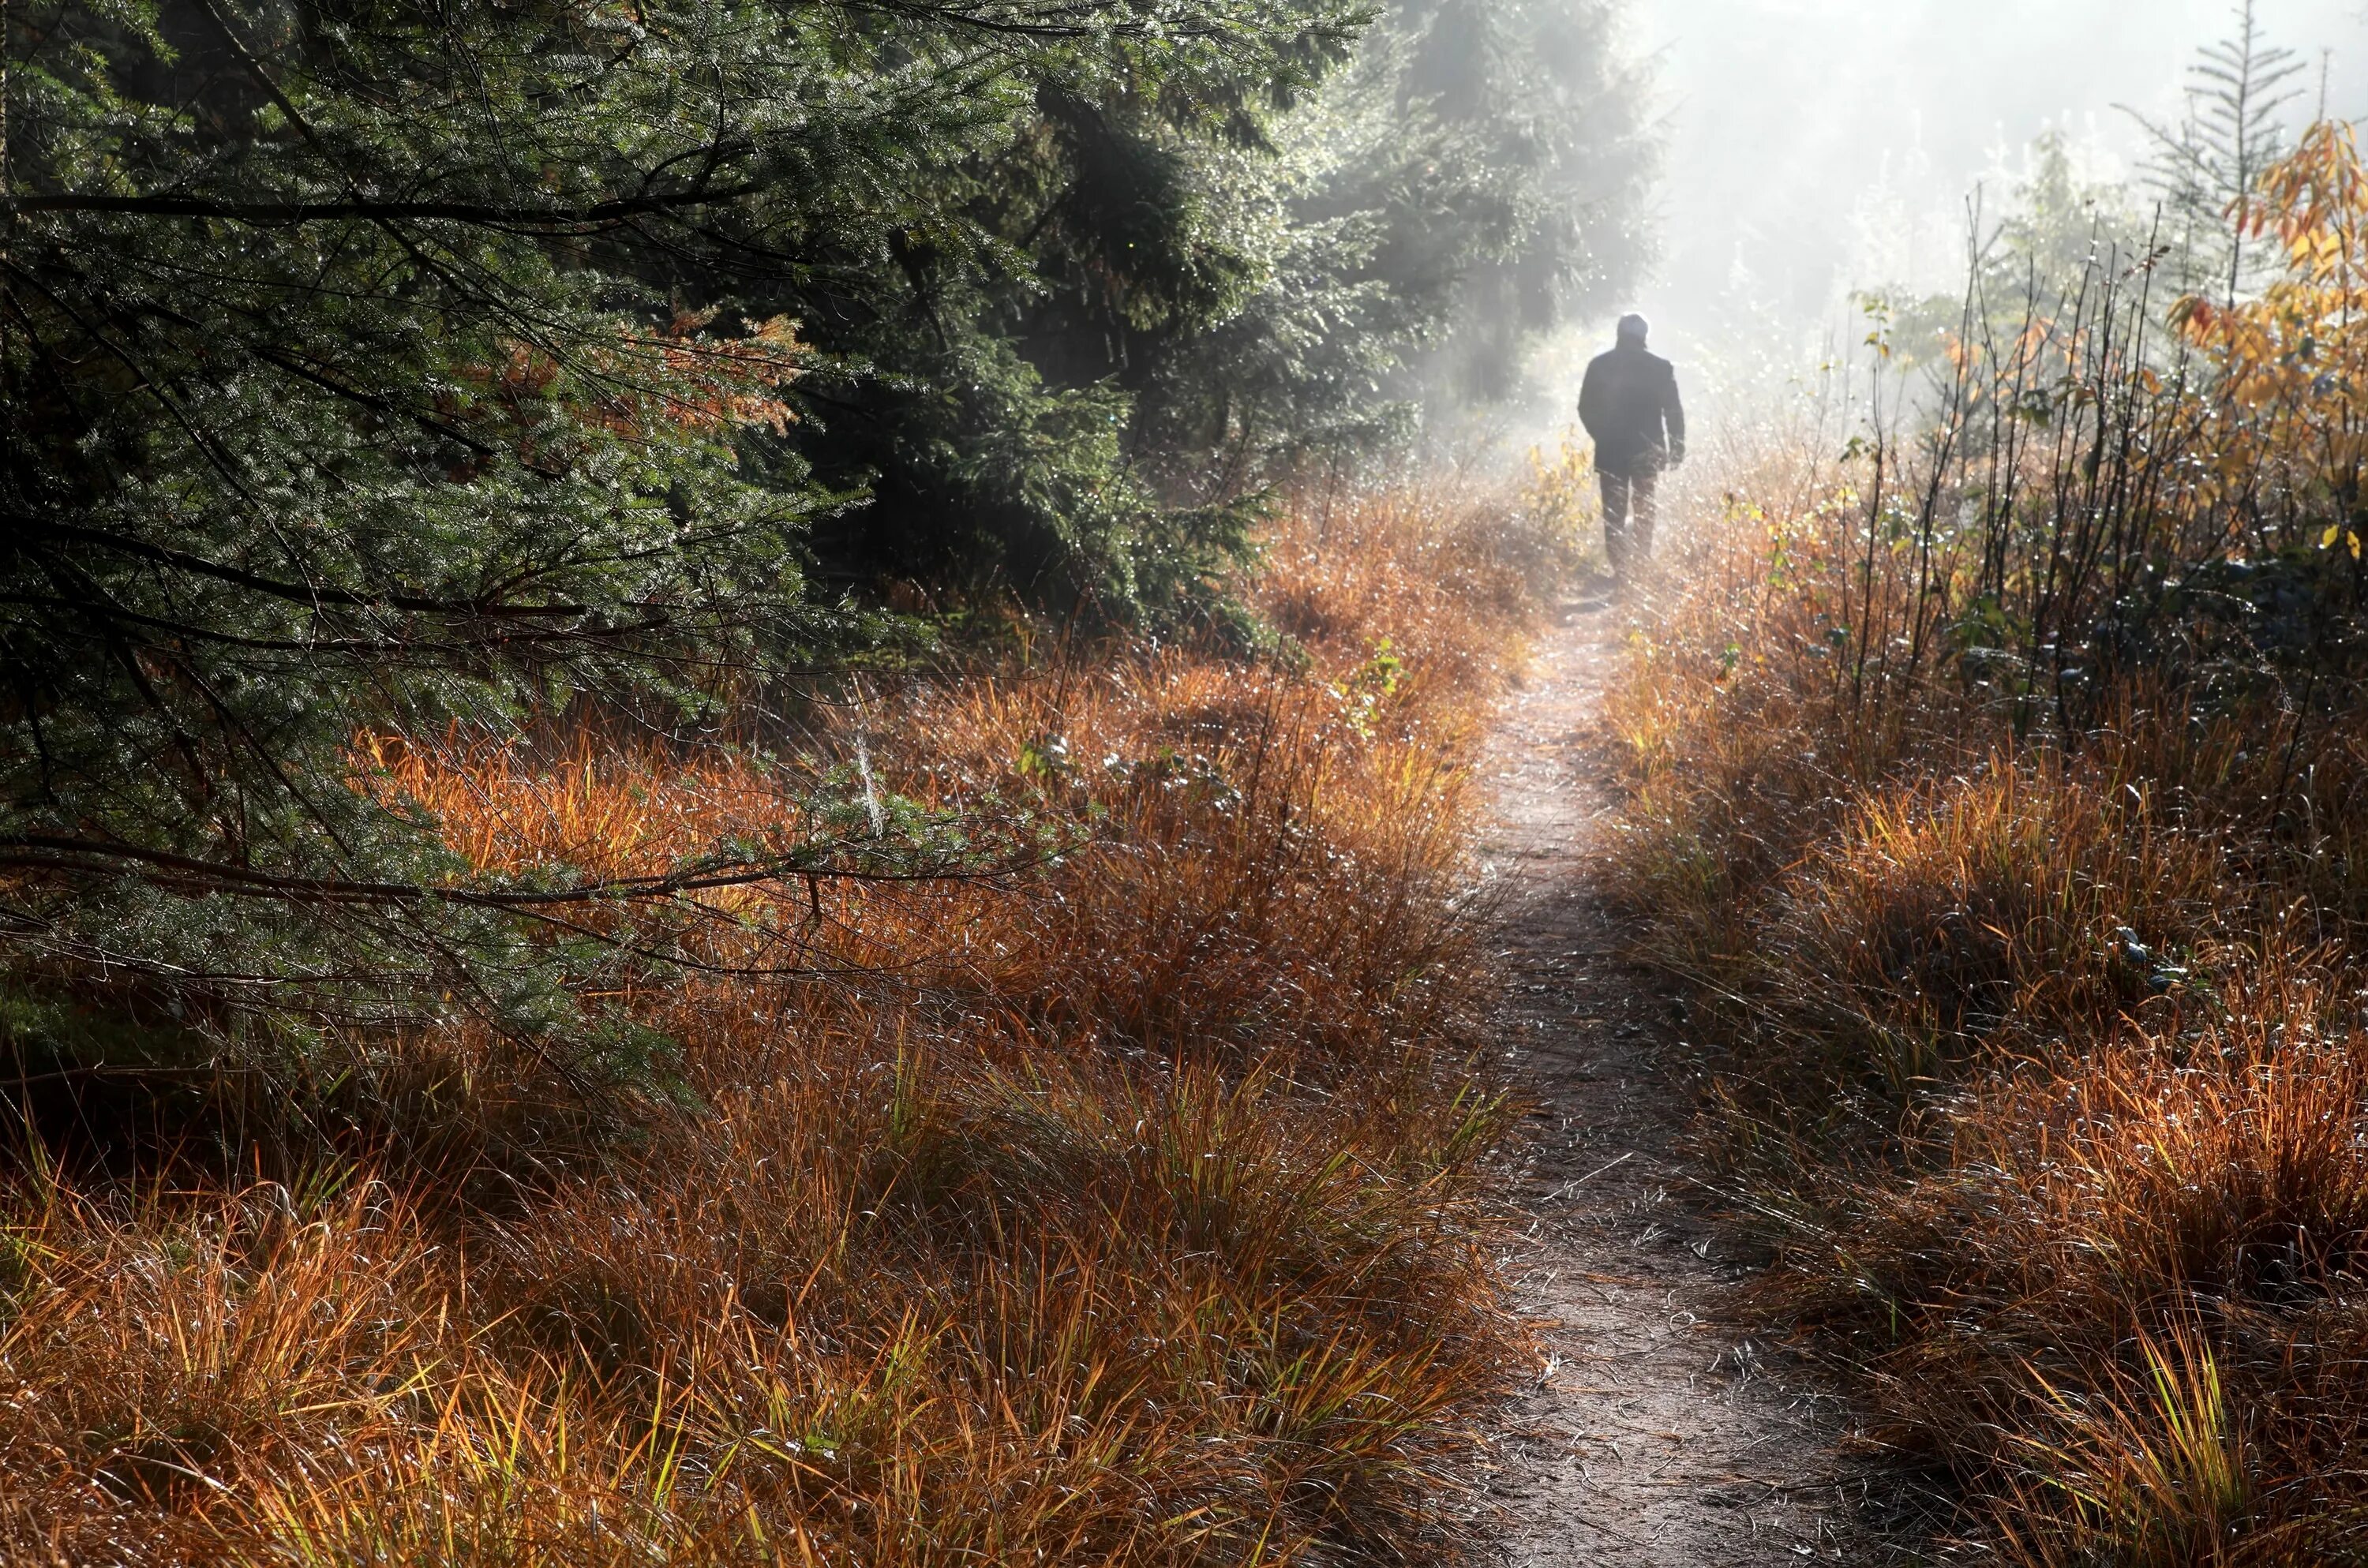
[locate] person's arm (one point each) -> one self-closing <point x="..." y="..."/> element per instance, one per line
<point x="1673" y="410"/>
<point x="1590" y="401"/>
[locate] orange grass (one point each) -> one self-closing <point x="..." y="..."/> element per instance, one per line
<point x="1125" y="1210"/>
<point x="2040" y="1060"/>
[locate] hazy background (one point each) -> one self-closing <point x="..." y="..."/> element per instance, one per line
<point x="1818" y="146"/>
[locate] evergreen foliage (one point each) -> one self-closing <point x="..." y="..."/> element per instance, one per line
<point x="2206" y="166"/>
<point x="386" y="369"/>
<point x="371" y="368"/>
<point x="1474" y="178"/>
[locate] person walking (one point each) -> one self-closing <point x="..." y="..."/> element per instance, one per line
<point x="1630" y="407"/>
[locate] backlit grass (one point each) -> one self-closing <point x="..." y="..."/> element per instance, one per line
<point x="1121" y="1206"/>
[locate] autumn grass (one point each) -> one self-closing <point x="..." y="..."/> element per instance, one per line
<point x="2037" y="1054"/>
<point x="1124" y="1205"/>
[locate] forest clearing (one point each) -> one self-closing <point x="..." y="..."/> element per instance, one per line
<point x="879" y="784"/>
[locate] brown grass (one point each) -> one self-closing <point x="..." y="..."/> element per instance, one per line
<point x="1123" y="1211"/>
<point x="2040" y="1052"/>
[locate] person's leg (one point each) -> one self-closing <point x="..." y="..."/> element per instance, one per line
<point x="1615" y="519"/>
<point x="1644" y="487"/>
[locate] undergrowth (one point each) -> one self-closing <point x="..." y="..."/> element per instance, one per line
<point x="1120" y="1204"/>
<point x="2002" y="796"/>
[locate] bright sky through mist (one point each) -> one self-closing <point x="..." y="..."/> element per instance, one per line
<point x="1812" y="142"/>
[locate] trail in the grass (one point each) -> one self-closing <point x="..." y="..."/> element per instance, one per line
<point x="1655" y="1433"/>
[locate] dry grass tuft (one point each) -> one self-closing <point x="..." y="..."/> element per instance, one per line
<point x="1123" y="1211"/>
<point x="2040" y="1051"/>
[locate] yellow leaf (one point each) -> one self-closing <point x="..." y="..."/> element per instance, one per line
<point x="2354" y="540"/>
<point x="2326" y="541"/>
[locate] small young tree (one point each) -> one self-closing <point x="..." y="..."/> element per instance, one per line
<point x="2207" y="166"/>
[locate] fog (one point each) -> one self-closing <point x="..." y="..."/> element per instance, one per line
<point x="1818" y="146"/>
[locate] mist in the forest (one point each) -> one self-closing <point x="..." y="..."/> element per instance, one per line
<point x="1816" y="147"/>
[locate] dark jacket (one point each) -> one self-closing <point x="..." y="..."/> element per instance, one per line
<point x="1630" y="406"/>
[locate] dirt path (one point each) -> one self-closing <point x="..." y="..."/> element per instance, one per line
<point x="1656" y="1435"/>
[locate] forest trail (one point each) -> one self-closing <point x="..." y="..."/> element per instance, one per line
<point x="1654" y="1435"/>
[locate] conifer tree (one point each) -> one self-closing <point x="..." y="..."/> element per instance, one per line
<point x="369" y="367"/>
<point x="376" y="368"/>
<point x="2207" y="165"/>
